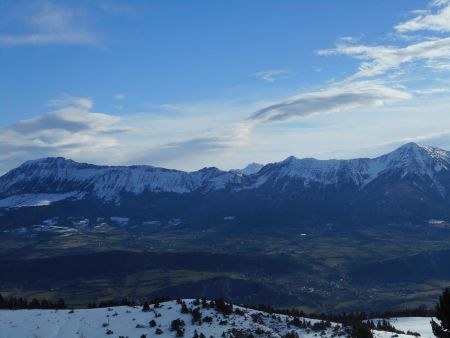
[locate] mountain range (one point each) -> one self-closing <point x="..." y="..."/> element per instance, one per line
<point x="412" y="181"/>
<point x="60" y="175"/>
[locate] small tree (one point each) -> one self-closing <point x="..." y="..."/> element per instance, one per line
<point x="442" y="329"/>
<point x="184" y="308"/>
<point x="177" y="324"/>
<point x="291" y="334"/>
<point x="196" y="315"/>
<point x="360" y="330"/>
<point x="146" y="307"/>
<point x="223" y="307"/>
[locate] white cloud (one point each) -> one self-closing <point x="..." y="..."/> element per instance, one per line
<point x="379" y="59"/>
<point x="70" y="101"/>
<point x="70" y="119"/>
<point x="428" y="21"/>
<point x="438" y="3"/>
<point x="273" y="75"/>
<point x="47" y="23"/>
<point x="333" y="99"/>
<point x="120" y="96"/>
<point x="431" y="91"/>
<point x="71" y="130"/>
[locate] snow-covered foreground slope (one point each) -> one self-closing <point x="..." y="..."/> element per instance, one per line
<point x="420" y="325"/>
<point x="133" y="322"/>
<point x="417" y="324"/>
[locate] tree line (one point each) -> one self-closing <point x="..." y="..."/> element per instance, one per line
<point x="19" y="303"/>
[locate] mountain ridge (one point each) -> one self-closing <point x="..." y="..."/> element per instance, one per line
<point x="60" y="175"/>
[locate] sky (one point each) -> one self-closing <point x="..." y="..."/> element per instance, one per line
<point x="189" y="84"/>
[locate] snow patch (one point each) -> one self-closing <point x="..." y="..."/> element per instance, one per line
<point x="120" y="220"/>
<point x="37" y="200"/>
<point x="420" y="325"/>
<point x="250" y="169"/>
<point x="436" y="222"/>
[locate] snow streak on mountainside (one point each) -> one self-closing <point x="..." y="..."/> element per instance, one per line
<point x="61" y="176"/>
<point x="37" y="200"/>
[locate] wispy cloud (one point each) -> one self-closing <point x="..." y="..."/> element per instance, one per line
<point x="332" y="99"/>
<point x="273" y="75"/>
<point x="431" y="91"/>
<point x="190" y="149"/>
<point x="44" y="23"/>
<point x="431" y="50"/>
<point x="218" y="142"/>
<point x="438" y="20"/>
<point x="378" y="60"/>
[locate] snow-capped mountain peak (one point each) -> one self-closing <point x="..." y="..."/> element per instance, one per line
<point x="419" y="152"/>
<point x="250" y="169"/>
<point x="417" y="159"/>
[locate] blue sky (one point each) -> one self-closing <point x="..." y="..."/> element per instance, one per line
<point x="188" y="84"/>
